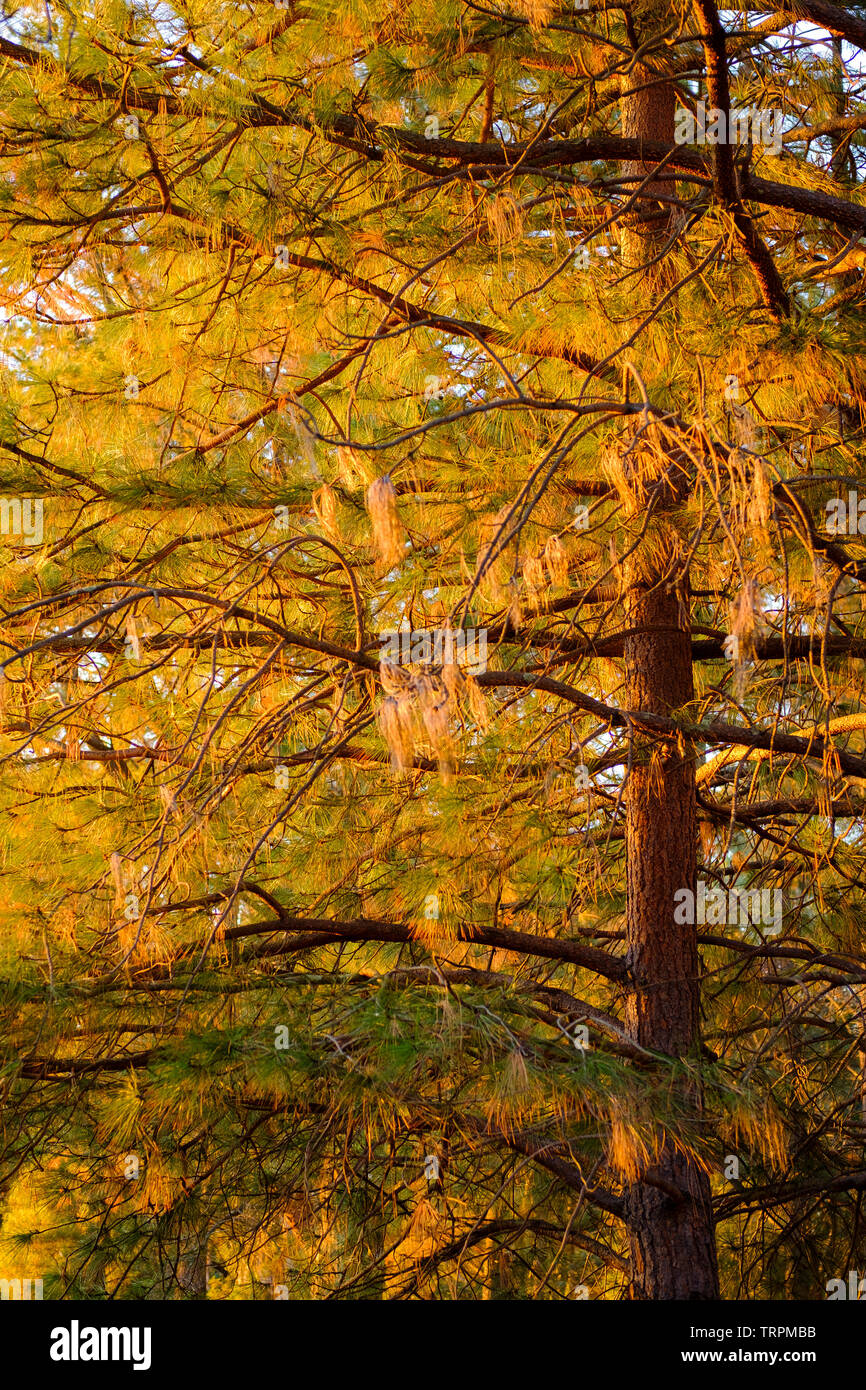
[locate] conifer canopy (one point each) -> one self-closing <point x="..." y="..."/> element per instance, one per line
<point x="432" y="763"/>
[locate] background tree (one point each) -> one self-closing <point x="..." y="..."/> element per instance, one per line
<point x="337" y="977"/>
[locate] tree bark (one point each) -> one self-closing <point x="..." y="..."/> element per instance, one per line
<point x="668" y="1209"/>
<point x="647" y="113"/>
<point x="192" y="1273"/>
<point x="672" y="1241"/>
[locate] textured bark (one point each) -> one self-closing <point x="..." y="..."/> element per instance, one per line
<point x="668" y="1213"/>
<point x="647" y="114"/>
<point x="192" y="1272"/>
<point x="672" y="1241"/>
<point x="661" y="830"/>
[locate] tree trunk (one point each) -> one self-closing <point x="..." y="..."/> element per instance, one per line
<point x="647" y="113"/>
<point x="672" y="1241"/>
<point x="192" y="1274"/>
<point x="668" y="1210"/>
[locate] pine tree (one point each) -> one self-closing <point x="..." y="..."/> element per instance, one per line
<point x="431" y="760"/>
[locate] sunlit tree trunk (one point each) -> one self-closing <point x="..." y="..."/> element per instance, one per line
<point x="668" y="1211"/>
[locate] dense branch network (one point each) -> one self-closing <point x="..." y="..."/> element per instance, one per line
<point x="292" y="362"/>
